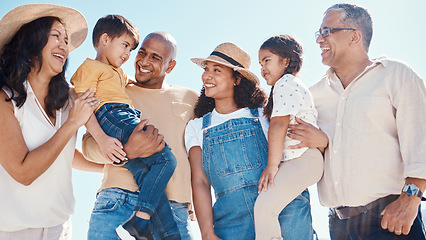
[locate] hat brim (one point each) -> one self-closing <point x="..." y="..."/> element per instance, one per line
<point x="246" y="73"/>
<point x="73" y="21"/>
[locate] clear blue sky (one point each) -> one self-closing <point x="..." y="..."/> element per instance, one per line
<point x="199" y="26"/>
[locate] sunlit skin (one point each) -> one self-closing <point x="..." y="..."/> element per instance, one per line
<point x="114" y="51"/>
<point x="54" y="55"/>
<point x="272" y="66"/>
<point x="25" y="165"/>
<point x="55" y="52"/>
<point x="343" y="51"/>
<point x="153" y="62"/>
<point x="334" y="48"/>
<point x="218" y="81"/>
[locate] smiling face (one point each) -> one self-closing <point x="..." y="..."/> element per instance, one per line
<point x="153" y="62"/>
<point x="218" y="81"/>
<point x="273" y="66"/>
<point x="334" y="48"/>
<point x="56" y="51"/>
<point x="115" y="51"/>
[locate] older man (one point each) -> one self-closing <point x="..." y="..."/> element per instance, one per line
<point x="168" y="108"/>
<point x="373" y="112"/>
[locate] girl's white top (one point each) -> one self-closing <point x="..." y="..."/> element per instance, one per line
<point x="49" y="200"/>
<point x="194" y="129"/>
<point x="292" y="97"/>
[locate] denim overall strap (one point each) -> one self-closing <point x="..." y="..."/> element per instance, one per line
<point x="234" y="153"/>
<point x="254" y="112"/>
<point x="207" y="119"/>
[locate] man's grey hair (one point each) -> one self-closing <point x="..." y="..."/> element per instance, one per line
<point x="357" y="17"/>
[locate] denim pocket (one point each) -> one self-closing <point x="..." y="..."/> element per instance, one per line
<point x="110" y="128"/>
<point x="180" y="215"/>
<point x="105" y="204"/>
<point x="236" y="152"/>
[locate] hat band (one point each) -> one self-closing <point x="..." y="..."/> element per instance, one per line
<point x="227" y="58"/>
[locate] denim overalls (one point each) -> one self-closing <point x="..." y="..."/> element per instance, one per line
<point x="234" y="156"/>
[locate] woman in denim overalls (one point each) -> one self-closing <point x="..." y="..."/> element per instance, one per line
<point x="228" y="151"/>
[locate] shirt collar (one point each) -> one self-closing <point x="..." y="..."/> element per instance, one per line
<point x="382" y="60"/>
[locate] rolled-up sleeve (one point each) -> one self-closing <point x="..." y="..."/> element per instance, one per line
<point x="410" y="105"/>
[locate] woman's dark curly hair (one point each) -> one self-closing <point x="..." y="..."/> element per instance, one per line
<point x="284" y="46"/>
<point x="20" y="55"/>
<point x="246" y="94"/>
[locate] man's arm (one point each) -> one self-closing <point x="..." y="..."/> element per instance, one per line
<point x="140" y="144"/>
<point x="144" y="142"/>
<point x="308" y="135"/>
<point x="80" y="162"/>
<point x="398" y="217"/>
<point x="111" y="147"/>
<point x="408" y="98"/>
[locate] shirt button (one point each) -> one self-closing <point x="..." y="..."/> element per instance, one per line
<point x="338" y="124"/>
<point x="343" y="98"/>
<point x="335" y="151"/>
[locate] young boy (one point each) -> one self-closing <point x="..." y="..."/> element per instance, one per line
<point x="113" y="38"/>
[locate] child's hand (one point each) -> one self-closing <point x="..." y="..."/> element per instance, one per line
<point x="112" y="149"/>
<point x="267" y="178"/>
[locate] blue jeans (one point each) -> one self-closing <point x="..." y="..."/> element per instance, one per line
<point x="367" y="226"/>
<point x="296" y="219"/>
<point x="151" y="173"/>
<point x="234" y="156"/>
<point x="113" y="206"/>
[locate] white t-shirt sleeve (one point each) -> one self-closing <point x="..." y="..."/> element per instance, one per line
<point x="288" y="99"/>
<point x="192" y="133"/>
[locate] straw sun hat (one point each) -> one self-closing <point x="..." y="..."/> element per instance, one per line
<point x="73" y="21"/>
<point x="230" y="55"/>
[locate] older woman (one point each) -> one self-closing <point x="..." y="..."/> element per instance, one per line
<point x="228" y="151"/>
<point x="38" y="120"/>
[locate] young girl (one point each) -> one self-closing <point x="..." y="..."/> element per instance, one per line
<point x="228" y="151"/>
<point x="289" y="171"/>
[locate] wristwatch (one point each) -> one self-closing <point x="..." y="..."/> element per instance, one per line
<point x="412" y="190"/>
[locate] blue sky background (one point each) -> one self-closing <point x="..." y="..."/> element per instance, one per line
<point x="199" y="26"/>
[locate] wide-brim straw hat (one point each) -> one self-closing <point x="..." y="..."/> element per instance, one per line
<point x="230" y="55"/>
<point x="74" y="22"/>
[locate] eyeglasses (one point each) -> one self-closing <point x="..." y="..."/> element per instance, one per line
<point x="326" y="31"/>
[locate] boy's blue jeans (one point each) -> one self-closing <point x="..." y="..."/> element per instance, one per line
<point x="113" y="206"/>
<point x="151" y="173"/>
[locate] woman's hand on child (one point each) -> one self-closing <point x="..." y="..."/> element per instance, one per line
<point x="267" y="178"/>
<point x="83" y="107"/>
<point x="112" y="149"/>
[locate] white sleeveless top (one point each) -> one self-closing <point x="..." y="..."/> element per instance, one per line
<point x="49" y="200"/>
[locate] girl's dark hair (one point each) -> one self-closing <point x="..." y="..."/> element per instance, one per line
<point x="21" y="54"/>
<point x="284" y="46"/>
<point x="246" y="94"/>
